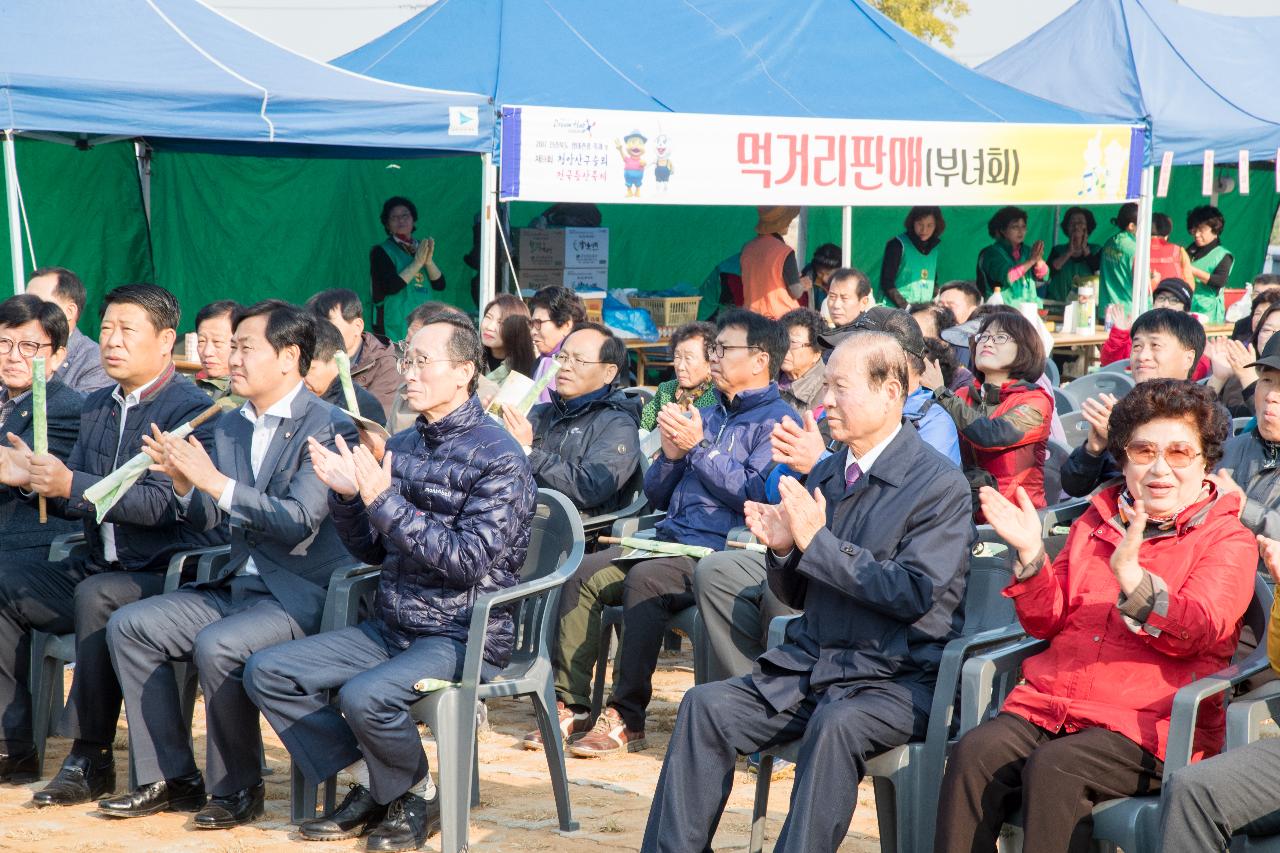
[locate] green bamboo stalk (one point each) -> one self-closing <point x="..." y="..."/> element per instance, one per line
<point x="697" y="552"/>
<point x="39" y="420"/>
<point x="344" y="376"/>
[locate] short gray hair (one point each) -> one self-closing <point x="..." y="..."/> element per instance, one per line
<point x="464" y="344"/>
<point x="882" y="355"/>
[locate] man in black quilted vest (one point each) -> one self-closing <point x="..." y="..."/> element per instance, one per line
<point x="127" y="552"/>
<point x="447" y="514"/>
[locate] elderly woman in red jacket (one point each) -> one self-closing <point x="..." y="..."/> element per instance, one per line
<point x="1004" y="417"/>
<point x="1147" y="596"/>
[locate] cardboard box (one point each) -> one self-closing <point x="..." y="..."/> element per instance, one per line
<point x="563" y="248"/>
<point x="574" y="279"/>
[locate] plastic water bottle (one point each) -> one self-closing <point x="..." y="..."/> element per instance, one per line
<point x="995" y="298"/>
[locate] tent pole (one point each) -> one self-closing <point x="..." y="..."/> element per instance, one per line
<point x="142" y="153"/>
<point x="15" y="214"/>
<point x="1142" y="256"/>
<point x="488" y="227"/>
<point x="846" y="236"/>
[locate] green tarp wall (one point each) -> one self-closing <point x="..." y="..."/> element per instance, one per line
<point x="248" y="228"/>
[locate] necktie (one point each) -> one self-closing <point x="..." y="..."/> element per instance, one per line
<point x="852" y="474"/>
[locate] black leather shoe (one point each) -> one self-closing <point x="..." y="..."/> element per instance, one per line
<point x="409" y="821"/>
<point x="79" y="781"/>
<point x="355" y="815"/>
<point x="21" y="768"/>
<point x="184" y="794"/>
<point x="232" y="810"/>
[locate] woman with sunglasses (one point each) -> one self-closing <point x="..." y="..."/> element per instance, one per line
<point x="1004" y="417"/>
<point x="1146" y="596"/>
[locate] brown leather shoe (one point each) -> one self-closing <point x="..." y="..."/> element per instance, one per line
<point x="572" y="724"/>
<point x="609" y="736"/>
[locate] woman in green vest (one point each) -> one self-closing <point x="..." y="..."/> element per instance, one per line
<point x="1210" y="262"/>
<point x="1076" y="258"/>
<point x="400" y="268"/>
<point x="909" y="271"/>
<point x="1115" y="273"/>
<point x="1008" y="264"/>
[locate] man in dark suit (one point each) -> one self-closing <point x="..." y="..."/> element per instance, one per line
<point x="874" y="554"/>
<point x="260" y="479"/>
<point x="127" y="551"/>
<point x="31" y="327"/>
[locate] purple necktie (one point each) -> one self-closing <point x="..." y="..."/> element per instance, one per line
<point x="852" y="474"/>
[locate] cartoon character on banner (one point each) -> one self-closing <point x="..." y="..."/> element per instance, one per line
<point x="632" y="161"/>
<point x="663" y="168"/>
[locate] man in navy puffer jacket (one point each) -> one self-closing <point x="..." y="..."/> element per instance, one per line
<point x="711" y="463"/>
<point x="447" y="514"/>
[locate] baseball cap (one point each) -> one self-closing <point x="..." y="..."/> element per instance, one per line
<point x="896" y="323"/>
<point x="1177" y="288"/>
<point x="1270" y="355"/>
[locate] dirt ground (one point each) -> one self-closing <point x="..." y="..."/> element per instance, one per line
<point x="610" y="798"/>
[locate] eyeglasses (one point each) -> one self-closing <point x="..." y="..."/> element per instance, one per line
<point x="1179" y="454"/>
<point x="999" y="339"/>
<point x="27" y="349"/>
<point x="565" y="360"/>
<point x="537" y="324"/>
<point x="419" y="363"/>
<point x="718" y="349"/>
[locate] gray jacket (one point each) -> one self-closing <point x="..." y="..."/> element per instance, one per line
<point x="1244" y="459"/>
<point x="281" y="517"/>
<point x="82" y="371"/>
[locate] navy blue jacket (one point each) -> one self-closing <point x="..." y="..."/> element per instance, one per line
<point x="703" y="492"/>
<point x="20" y="525"/>
<point x="881" y="586"/>
<point x="146" y="518"/>
<point x="453" y="526"/>
<point x="588" y="449"/>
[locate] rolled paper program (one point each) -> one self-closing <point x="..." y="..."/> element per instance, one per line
<point x="106" y="492"/>
<point x="344" y="376"/>
<point x="39" y="421"/>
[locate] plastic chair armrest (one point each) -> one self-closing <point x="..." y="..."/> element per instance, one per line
<point x="1187" y="701"/>
<point x="978" y="677"/>
<point x="1245" y="714"/>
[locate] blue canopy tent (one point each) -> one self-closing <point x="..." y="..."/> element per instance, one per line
<point x="1195" y="77"/>
<point x="177" y="70"/>
<point x="793" y="58"/>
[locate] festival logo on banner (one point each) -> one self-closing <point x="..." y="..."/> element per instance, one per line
<point x="555" y="154"/>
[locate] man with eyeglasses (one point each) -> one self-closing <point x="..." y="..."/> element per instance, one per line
<point x="447" y="514"/>
<point x="712" y="462"/>
<point x="584" y="443"/>
<point x="30" y="327"/>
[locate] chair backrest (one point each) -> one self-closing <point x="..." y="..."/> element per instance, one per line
<point x="1121" y="366"/>
<point x="1253" y="631"/>
<point x="1057" y="521"/>
<point x="1062" y="403"/>
<point x="990" y="568"/>
<point x="1239" y="425"/>
<point x="1058" y="454"/>
<point x="555" y="538"/>
<point x="1076" y="429"/>
<point x="644" y="395"/>
<point x="1051" y="370"/>
<point x="1094" y="384"/>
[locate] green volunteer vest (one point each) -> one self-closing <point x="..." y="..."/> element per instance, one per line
<point x="1115" y="273"/>
<point x="1061" y="282"/>
<point x="396" y="307"/>
<point x="1204" y="299"/>
<point x="918" y="272"/>
<point x="996" y="261"/>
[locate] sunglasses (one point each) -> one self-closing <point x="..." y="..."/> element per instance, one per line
<point x="1179" y="454"/>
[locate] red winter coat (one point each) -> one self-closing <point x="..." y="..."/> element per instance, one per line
<point x="1107" y="671"/>
<point x="1005" y="432"/>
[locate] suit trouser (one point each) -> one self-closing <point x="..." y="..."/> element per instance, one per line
<point x="58" y="598"/>
<point x="736" y="606"/>
<point x="1056" y="777"/>
<point x="290" y="682"/>
<point x="216" y="628"/>
<point x="1204" y="804"/>
<point x="720" y="721"/>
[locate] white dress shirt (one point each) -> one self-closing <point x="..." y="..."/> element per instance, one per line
<point x="869" y="458"/>
<point x="126" y="402"/>
<point x="264" y="430"/>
